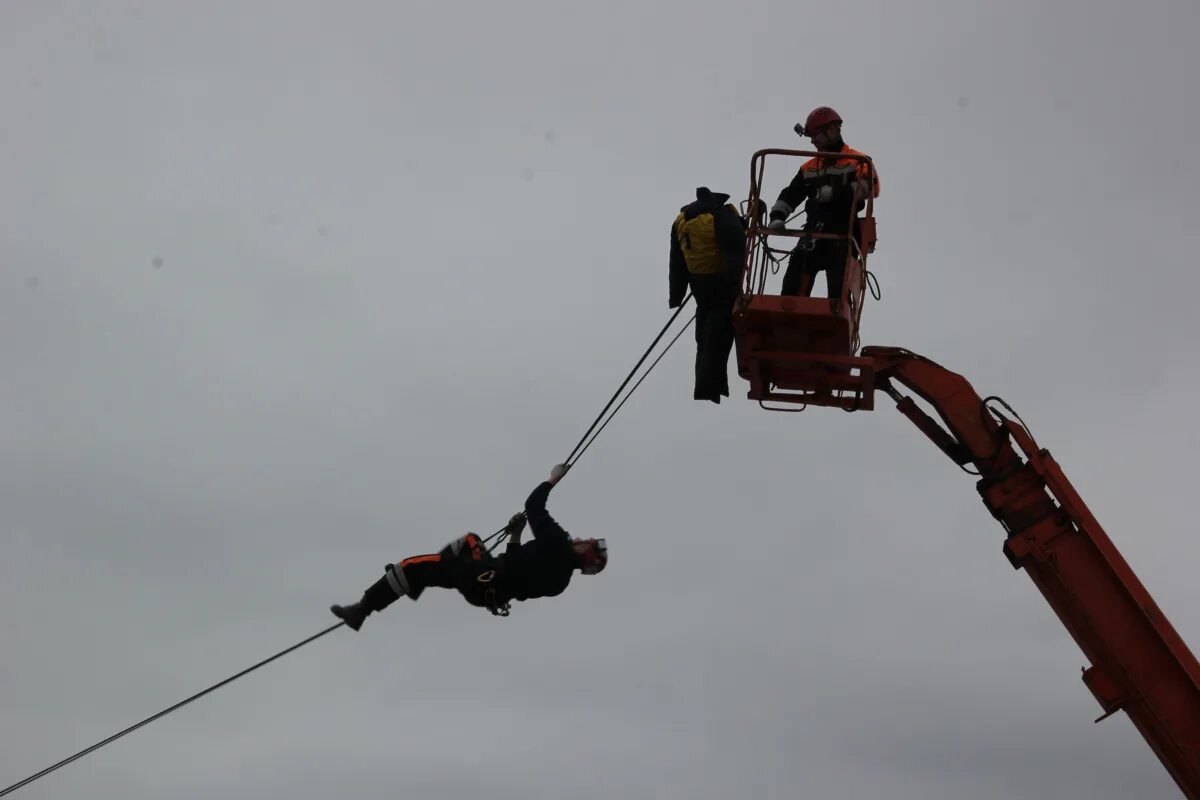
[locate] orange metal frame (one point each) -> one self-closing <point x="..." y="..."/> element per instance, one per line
<point x="800" y="350"/>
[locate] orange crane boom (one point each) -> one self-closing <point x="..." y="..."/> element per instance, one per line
<point x="1140" y="665"/>
<point x="803" y="351"/>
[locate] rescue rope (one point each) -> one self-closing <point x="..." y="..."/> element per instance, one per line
<point x="578" y="452"/>
<point x="580" y="448"/>
<point x="166" y="711"/>
<point x="570" y="461"/>
<point x="635" y="386"/>
<point x="495" y="536"/>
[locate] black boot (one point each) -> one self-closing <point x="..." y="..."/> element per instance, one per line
<point x="353" y="615"/>
<point x="379" y="596"/>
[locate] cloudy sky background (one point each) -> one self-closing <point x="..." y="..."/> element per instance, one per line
<point x="293" y="289"/>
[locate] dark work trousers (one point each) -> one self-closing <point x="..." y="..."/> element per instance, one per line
<point x="463" y="564"/>
<point x="828" y="256"/>
<point x="715" y="296"/>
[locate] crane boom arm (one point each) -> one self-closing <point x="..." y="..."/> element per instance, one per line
<point x="1140" y="665"/>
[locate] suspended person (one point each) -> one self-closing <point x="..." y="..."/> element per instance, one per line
<point x="831" y="188"/>
<point x="708" y="250"/>
<point x="539" y="568"/>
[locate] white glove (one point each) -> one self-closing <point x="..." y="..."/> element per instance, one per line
<point x="777" y="224"/>
<point x="558" y="472"/>
<point x="823" y="194"/>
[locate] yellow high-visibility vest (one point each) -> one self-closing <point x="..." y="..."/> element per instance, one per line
<point x="697" y="239"/>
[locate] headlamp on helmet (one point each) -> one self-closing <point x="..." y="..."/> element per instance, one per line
<point x="818" y="118"/>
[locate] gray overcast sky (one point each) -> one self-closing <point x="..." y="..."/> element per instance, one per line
<point x="293" y="289"/>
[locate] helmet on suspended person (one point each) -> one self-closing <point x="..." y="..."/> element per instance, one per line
<point x="818" y="118"/>
<point x="592" y="553"/>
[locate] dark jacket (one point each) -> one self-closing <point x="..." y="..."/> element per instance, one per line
<point x="542" y="567"/>
<point x="729" y="229"/>
<point x="843" y="176"/>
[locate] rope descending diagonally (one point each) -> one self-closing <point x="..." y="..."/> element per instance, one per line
<point x="645" y="375"/>
<point x="580" y="448"/>
<point x="584" y="442"/>
<point x="577" y="452"/>
<point x="165" y="711"/>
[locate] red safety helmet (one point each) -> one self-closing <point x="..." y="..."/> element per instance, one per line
<point x="819" y="118"/>
<point x="593" y="555"/>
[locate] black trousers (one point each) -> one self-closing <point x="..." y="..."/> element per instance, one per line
<point x="464" y="564"/>
<point x="828" y="256"/>
<point x="715" y="296"/>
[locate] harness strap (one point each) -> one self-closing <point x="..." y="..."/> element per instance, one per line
<point x="489" y="595"/>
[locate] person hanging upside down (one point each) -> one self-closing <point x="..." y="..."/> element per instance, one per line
<point x="540" y="568"/>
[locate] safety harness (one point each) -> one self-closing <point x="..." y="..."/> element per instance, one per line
<point x="490" y="597"/>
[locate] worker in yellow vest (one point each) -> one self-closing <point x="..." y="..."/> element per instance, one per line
<point x="708" y="250"/>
